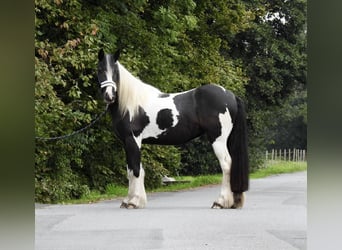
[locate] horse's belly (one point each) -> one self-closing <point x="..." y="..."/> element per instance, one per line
<point x="173" y="136"/>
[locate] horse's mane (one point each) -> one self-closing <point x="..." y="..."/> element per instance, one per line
<point x="132" y="92"/>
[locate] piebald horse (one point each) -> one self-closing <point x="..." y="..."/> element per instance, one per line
<point x="142" y="113"/>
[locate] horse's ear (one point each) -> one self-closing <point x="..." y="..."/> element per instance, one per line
<point x="117" y="55"/>
<point x="101" y="54"/>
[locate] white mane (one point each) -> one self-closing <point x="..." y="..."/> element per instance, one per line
<point x="132" y="92"/>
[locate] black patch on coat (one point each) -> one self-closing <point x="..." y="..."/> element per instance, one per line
<point x="124" y="128"/>
<point x="140" y="121"/>
<point x="212" y="100"/>
<point x="133" y="155"/>
<point x="164" y="119"/>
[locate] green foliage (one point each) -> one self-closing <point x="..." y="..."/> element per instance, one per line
<point x="64" y="97"/>
<point x="159" y="161"/>
<point x="174" y="45"/>
<point x="198" y="158"/>
<point x="273" y="52"/>
<point x="56" y="175"/>
<point x="290" y="127"/>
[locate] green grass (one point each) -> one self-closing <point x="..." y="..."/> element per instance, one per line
<point x="279" y="167"/>
<point x="112" y="191"/>
<point x="193" y="182"/>
<point x="115" y="191"/>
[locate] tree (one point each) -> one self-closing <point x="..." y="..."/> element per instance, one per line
<point x="273" y="52"/>
<point x="290" y="127"/>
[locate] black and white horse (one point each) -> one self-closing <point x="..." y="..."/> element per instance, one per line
<point x="143" y="114"/>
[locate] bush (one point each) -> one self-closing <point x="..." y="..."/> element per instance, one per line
<point x="159" y="161"/>
<point x="198" y="158"/>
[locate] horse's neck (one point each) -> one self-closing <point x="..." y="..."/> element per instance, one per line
<point x="133" y="92"/>
<point x="131" y="81"/>
<point x="125" y="76"/>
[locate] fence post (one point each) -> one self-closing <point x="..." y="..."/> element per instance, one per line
<point x="298" y="154"/>
<point x="304" y="155"/>
<point x="294" y="155"/>
<point x="272" y="154"/>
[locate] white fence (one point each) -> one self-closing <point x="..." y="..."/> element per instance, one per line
<point x="286" y="155"/>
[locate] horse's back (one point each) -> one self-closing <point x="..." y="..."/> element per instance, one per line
<point x="212" y="100"/>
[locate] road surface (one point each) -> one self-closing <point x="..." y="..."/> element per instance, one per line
<point x="274" y="217"/>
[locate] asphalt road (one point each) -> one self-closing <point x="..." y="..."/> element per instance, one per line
<point x="274" y="217"/>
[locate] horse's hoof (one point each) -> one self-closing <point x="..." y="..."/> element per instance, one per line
<point x="123" y="205"/>
<point x="217" y="205"/>
<point x="131" y="206"/>
<point x="239" y="200"/>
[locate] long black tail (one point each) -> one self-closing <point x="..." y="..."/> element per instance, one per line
<point x="237" y="146"/>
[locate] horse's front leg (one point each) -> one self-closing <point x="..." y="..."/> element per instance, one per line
<point x="135" y="173"/>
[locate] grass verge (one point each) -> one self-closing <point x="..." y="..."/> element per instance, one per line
<point x="115" y="191"/>
<point x="278" y="167"/>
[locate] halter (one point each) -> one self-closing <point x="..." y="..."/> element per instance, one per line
<point x="108" y="83"/>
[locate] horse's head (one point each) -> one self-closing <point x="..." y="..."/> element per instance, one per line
<point x="108" y="75"/>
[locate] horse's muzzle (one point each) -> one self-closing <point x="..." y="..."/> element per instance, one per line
<point x="109" y="98"/>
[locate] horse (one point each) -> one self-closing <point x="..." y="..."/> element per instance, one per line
<point x="142" y="114"/>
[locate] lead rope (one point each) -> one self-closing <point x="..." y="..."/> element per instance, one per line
<point x="75" y="132"/>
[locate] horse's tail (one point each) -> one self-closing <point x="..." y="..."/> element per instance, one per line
<point x="237" y="146"/>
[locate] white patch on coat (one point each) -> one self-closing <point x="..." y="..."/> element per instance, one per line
<point x="109" y="92"/>
<point x="109" y="75"/>
<point x="109" y="70"/>
<point x="223" y="89"/>
<point x="225" y="198"/>
<point x="138" y="140"/>
<point x="152" y="108"/>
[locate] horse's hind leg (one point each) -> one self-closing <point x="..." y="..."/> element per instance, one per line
<point x="219" y="144"/>
<point x="226" y="197"/>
